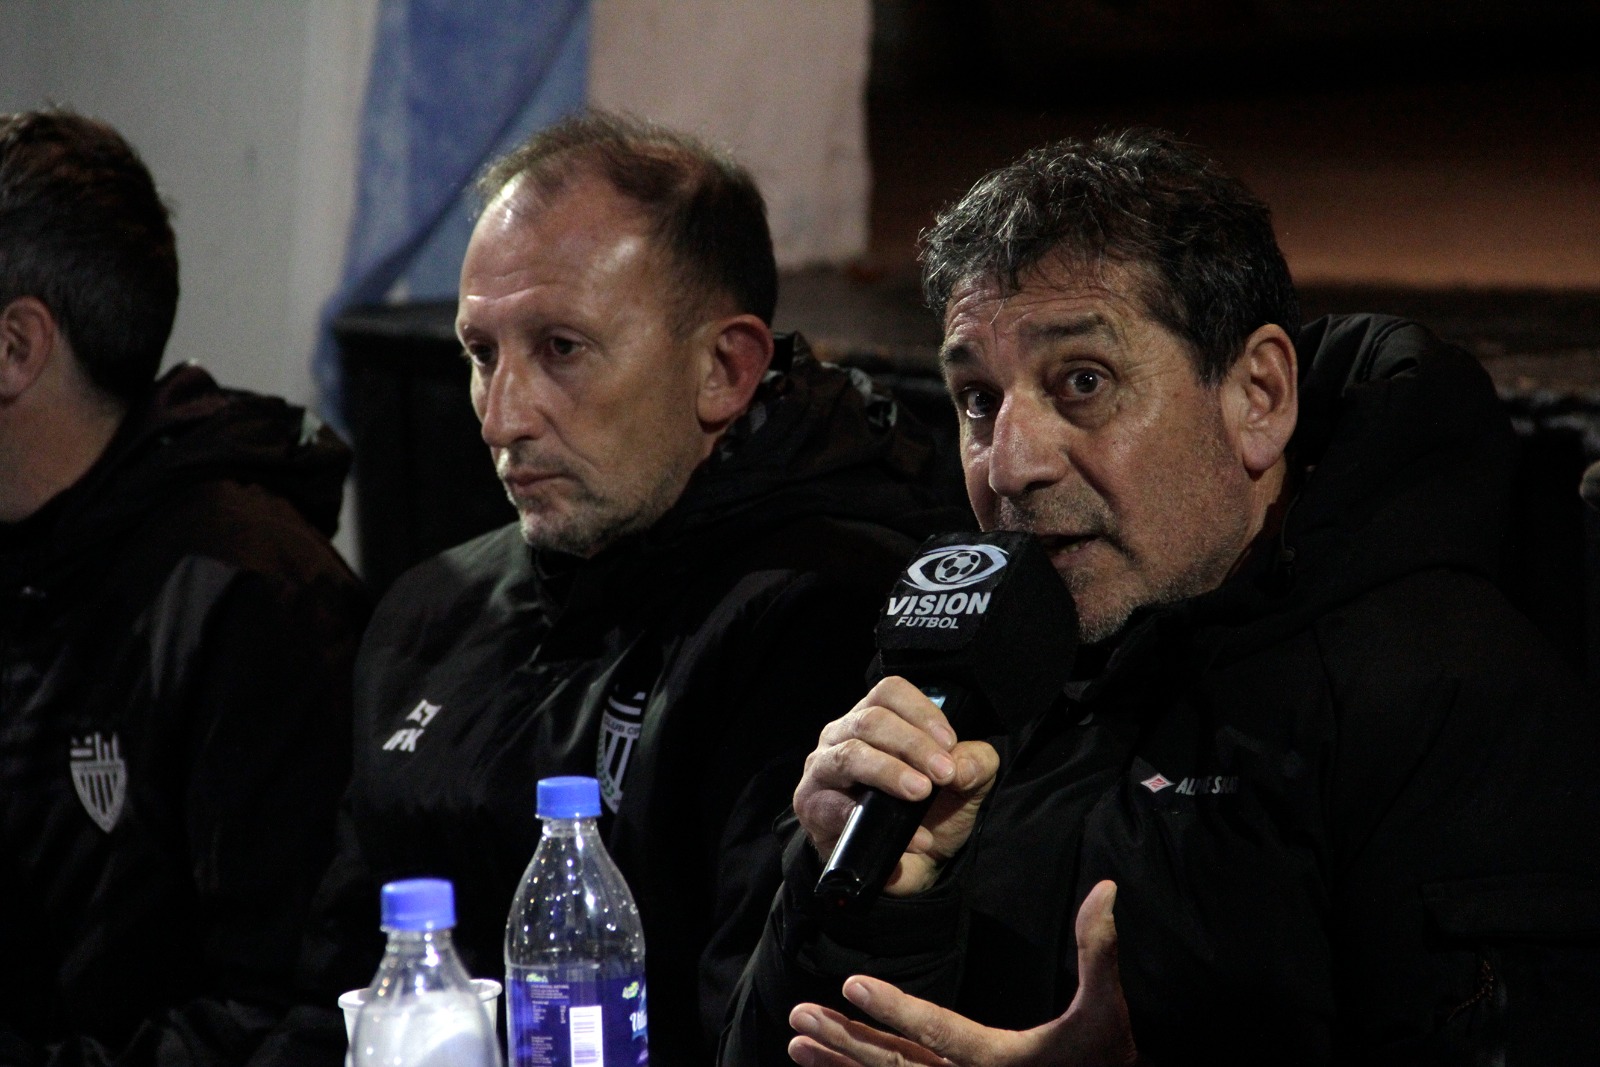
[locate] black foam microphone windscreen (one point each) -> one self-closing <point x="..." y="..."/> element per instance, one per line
<point x="985" y="627"/>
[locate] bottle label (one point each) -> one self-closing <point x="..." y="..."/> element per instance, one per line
<point x="596" y="1023"/>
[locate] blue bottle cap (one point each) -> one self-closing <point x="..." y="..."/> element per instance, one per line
<point x="569" y="798"/>
<point x="419" y="904"/>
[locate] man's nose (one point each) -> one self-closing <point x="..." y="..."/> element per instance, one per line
<point x="1028" y="449"/>
<point x="509" y="409"/>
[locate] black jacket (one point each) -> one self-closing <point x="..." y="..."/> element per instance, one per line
<point x="1348" y="798"/>
<point x="741" y="622"/>
<point x="175" y="646"/>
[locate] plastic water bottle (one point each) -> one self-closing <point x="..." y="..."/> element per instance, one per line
<point x="574" y="945"/>
<point x="421" y="1010"/>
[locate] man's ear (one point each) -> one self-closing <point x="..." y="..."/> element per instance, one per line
<point x="1261" y="401"/>
<point x="741" y="352"/>
<point x="28" y="336"/>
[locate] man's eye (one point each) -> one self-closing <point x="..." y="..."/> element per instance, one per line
<point x="564" y="347"/>
<point x="977" y="404"/>
<point x="1085" y="382"/>
<point x="480" y="356"/>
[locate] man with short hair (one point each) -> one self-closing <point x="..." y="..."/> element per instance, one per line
<point x="1337" y="789"/>
<point x="707" y="526"/>
<point x="176" y="636"/>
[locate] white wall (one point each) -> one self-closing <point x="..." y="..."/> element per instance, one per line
<point x="246" y="111"/>
<point x="246" y="114"/>
<point x="780" y="83"/>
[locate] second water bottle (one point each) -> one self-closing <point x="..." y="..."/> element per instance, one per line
<point x="574" y="945"/>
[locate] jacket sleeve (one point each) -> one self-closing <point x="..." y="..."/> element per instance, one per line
<point x="254" y="696"/>
<point x="806" y="953"/>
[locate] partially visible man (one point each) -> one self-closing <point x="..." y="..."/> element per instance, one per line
<point x="176" y="636"/>
<point x="707" y="526"/>
<point x="1337" y="788"/>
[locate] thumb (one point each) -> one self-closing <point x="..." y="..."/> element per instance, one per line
<point x="1099" y="977"/>
<point x="1099" y="1010"/>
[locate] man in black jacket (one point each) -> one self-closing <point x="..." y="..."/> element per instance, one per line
<point x="176" y="636"/>
<point x="1340" y="793"/>
<point x="708" y="524"/>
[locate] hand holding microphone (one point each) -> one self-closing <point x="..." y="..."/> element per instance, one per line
<point x="900" y="744"/>
<point x="981" y="632"/>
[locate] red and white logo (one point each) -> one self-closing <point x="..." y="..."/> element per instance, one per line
<point x="1156" y="783"/>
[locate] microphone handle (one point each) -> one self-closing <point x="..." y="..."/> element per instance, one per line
<point x="878" y="832"/>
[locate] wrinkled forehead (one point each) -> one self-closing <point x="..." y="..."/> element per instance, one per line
<point x="995" y="298"/>
<point x="584" y="229"/>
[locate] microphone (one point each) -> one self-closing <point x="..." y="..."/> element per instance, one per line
<point x="986" y="628"/>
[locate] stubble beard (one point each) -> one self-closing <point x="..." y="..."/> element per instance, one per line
<point x="583" y="521"/>
<point x="1044" y="515"/>
<point x="1108" y="612"/>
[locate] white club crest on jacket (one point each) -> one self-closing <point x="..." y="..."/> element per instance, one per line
<point x="100" y="777"/>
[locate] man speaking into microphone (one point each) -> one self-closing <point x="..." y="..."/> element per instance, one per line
<point x="1314" y="791"/>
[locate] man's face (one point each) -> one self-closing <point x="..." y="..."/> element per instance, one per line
<point x="1083" y="421"/>
<point x="585" y="393"/>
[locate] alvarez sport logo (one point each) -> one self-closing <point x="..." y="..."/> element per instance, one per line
<point x="945" y="584"/>
<point x="1202" y="786"/>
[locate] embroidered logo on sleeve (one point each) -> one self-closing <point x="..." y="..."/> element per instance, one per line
<point x="100" y="777"/>
<point x="620" y="724"/>
<point x="405" y="738"/>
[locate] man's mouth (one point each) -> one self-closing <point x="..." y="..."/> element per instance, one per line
<point x="1067" y="544"/>
<point x="525" y="487"/>
<point x="520" y="479"/>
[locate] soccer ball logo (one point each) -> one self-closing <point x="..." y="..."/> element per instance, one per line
<point x="955" y="567"/>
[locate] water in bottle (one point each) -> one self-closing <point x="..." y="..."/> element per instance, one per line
<point x="574" y="945"/>
<point x="421" y="1010"/>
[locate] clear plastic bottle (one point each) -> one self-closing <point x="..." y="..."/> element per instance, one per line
<point x="421" y="1010"/>
<point x="574" y="945"/>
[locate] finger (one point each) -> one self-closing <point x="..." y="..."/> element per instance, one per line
<point x="1097" y="1019"/>
<point x="879" y="742"/>
<point x="915" y="707"/>
<point x="946" y="1036"/>
<point x="903" y="698"/>
<point x="851" y="765"/>
<point x="954" y="811"/>
<point x="977" y="765"/>
<point x="922" y="841"/>
<point x="836" y="773"/>
<point x="885" y="743"/>
<point x="897" y="718"/>
<point x="823" y="1030"/>
<point x="807" y="1053"/>
<point x="822" y="814"/>
<point x="1099" y="975"/>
